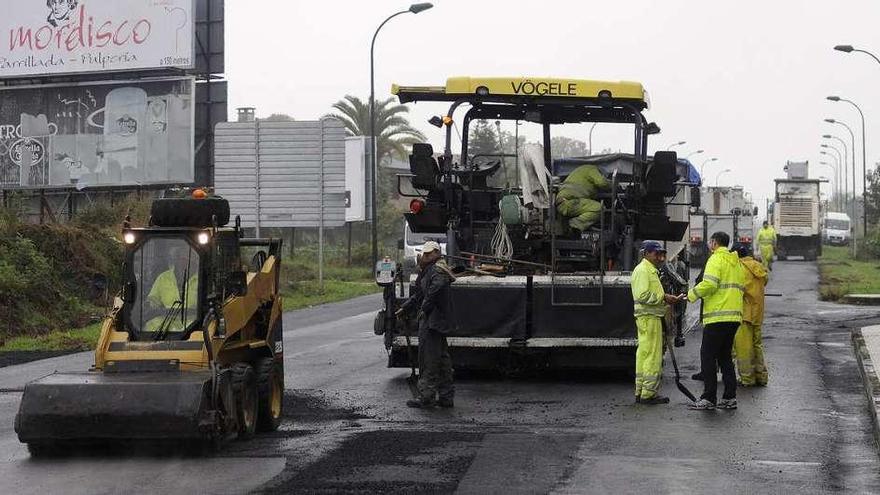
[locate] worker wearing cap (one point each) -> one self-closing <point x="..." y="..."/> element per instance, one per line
<point x="721" y="290"/>
<point x="748" y="344"/>
<point x="649" y="309"/>
<point x="432" y="300"/>
<point x="767" y="244"/>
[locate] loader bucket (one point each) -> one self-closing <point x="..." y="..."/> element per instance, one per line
<point x="73" y="407"/>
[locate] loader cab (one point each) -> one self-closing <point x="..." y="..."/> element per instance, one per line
<point x="177" y="265"/>
<point x="164" y="280"/>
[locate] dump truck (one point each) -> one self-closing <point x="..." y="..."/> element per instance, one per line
<point x="722" y="209"/>
<point x="191" y="351"/>
<point x="795" y="214"/>
<point x="545" y="262"/>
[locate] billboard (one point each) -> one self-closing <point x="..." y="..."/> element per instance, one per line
<point x="97" y="134"/>
<point x="50" y="37"/>
<point x="282" y="174"/>
<point x="357" y="153"/>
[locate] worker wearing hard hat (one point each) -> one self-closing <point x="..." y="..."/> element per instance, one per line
<point x="767" y="245"/>
<point x="432" y="300"/>
<point x="649" y="309"/>
<point x="721" y="290"/>
<point x="748" y="344"/>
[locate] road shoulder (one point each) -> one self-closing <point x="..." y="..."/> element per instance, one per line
<point x="866" y="345"/>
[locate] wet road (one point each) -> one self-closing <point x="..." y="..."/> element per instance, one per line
<point x="346" y="428"/>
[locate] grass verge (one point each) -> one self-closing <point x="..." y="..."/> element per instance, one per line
<point x="308" y="293"/>
<point x="80" y="339"/>
<point x="840" y="275"/>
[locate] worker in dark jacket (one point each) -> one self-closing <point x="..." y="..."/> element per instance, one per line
<point x="433" y="302"/>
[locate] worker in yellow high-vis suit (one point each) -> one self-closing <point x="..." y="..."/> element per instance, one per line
<point x="767" y="245"/>
<point x="649" y="309"/>
<point x="722" y="291"/>
<point x="575" y="199"/>
<point x="748" y="343"/>
<point x="166" y="291"/>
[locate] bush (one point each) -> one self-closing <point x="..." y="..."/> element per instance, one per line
<point x="869" y="246"/>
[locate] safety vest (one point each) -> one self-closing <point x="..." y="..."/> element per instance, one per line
<point x="165" y="291"/>
<point x="721" y="289"/>
<point x="753" y="301"/>
<point x="646" y="291"/>
<point x="766" y="236"/>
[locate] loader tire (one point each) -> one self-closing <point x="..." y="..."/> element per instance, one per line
<point x="270" y="387"/>
<point x="244" y="386"/>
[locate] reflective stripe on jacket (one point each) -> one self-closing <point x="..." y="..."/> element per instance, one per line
<point x="766" y="236"/>
<point x="646" y="291"/>
<point x="722" y="288"/>
<point x="165" y="291"/>
<point x="753" y="301"/>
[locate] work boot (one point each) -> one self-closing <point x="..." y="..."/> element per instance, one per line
<point x="727" y="403"/>
<point x="420" y="403"/>
<point x="657" y="399"/>
<point x="697" y="376"/>
<point x="446" y="403"/>
<point x="702" y="405"/>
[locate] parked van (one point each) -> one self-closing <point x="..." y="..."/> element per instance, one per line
<point x="836" y="229"/>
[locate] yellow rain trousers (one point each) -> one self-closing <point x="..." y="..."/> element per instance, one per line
<point x="649" y="309"/>
<point x="748" y="345"/>
<point x="649" y="356"/>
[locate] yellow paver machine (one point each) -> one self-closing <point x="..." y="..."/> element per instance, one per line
<point x="192" y="350"/>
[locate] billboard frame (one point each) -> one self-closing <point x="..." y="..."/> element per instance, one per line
<point x="186" y="69"/>
<point x="131" y="186"/>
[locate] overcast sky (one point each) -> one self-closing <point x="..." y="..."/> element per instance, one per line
<point x="746" y="81"/>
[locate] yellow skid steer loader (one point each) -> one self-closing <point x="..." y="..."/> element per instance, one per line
<point x="192" y="349"/>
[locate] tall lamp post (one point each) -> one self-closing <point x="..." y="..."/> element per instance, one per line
<point x="692" y="154"/>
<point x="704" y="165"/>
<point x="845" y="171"/>
<point x="853" y="207"/>
<point x="374" y="169"/>
<point x="837" y="158"/>
<point x="836" y="171"/>
<point x="864" y="168"/>
<point x="717" y="177"/>
<point x="589" y="137"/>
<point x="834" y="185"/>
<point x="669" y="148"/>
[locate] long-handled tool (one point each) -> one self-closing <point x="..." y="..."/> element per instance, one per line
<point x="413" y="379"/>
<point x="670" y="347"/>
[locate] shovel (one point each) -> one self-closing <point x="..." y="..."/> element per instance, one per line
<point x="413" y="379"/>
<point x="670" y="347"/>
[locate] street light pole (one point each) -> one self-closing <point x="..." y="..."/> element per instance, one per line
<point x="853" y="207"/>
<point x="589" y="137"/>
<point x="669" y="148"/>
<point x="836" y="170"/>
<point x="717" y="177"/>
<point x="374" y="170"/>
<point x="835" y="184"/>
<point x="704" y="165"/>
<point x="864" y="166"/>
<point x="692" y="154"/>
<point x="838" y="157"/>
<point x="844" y="172"/>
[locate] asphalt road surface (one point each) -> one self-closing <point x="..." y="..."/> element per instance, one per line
<point x="346" y="429"/>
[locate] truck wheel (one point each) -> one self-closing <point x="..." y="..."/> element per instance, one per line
<point x="244" y="385"/>
<point x="270" y="387"/>
<point x="379" y="323"/>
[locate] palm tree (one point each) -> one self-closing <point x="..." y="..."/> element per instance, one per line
<point x="395" y="134"/>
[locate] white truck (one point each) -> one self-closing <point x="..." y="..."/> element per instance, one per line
<point x="796" y="214"/>
<point x="836" y="229"/>
<point x="722" y="209"/>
